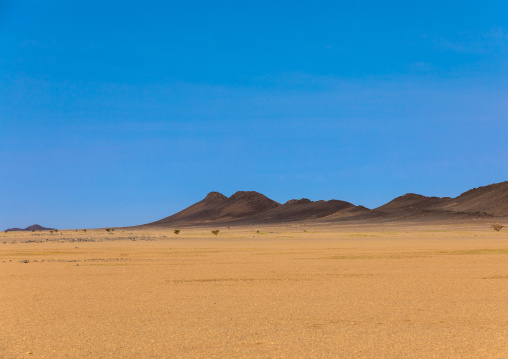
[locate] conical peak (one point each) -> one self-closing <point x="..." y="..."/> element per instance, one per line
<point x="249" y="195"/>
<point x="411" y="196"/>
<point x="215" y="197"/>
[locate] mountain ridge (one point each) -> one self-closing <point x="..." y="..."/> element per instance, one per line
<point x="251" y="207"/>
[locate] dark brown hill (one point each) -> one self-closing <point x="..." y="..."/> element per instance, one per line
<point x="216" y="207"/>
<point x="411" y="201"/>
<point x="491" y="199"/>
<point x="487" y="201"/>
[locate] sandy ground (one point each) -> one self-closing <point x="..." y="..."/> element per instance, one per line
<point x="282" y="293"/>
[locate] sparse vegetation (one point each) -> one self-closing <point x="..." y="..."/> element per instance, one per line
<point x="176" y="231"/>
<point x="258" y="232"/>
<point x="216" y="232"/>
<point x="84" y="230"/>
<point x="497" y="227"/>
<point x="108" y="229"/>
<point x="51" y="232"/>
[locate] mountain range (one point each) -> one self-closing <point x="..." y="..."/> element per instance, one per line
<point x="249" y="207"/>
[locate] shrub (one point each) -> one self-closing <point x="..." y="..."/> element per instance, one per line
<point x="108" y="229"/>
<point x="177" y="231"/>
<point x="216" y="232"/>
<point x="84" y="230"/>
<point x="497" y="227"/>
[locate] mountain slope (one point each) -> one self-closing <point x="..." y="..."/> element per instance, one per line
<point x="411" y="201"/>
<point x="491" y="199"/>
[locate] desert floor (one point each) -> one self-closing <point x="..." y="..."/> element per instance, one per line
<point x="429" y="292"/>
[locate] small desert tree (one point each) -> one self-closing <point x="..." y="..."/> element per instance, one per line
<point x="497" y="227"/>
<point x="177" y="231"/>
<point x="216" y="232"/>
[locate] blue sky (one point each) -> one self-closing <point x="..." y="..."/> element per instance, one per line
<point x="118" y="113"/>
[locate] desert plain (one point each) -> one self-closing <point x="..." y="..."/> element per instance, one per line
<point x="385" y="291"/>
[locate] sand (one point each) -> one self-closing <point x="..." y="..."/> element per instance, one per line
<point x="430" y="292"/>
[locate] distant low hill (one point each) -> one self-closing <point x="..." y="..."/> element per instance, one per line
<point x="34" y="227"/>
<point x="249" y="207"/>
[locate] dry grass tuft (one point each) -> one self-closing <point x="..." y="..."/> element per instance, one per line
<point x="497" y="227"/>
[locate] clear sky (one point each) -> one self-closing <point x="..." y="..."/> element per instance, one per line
<point x="118" y="113"/>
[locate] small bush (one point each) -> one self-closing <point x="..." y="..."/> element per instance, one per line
<point x="216" y="232"/>
<point x="33" y="230"/>
<point x="497" y="227"/>
<point x="108" y="229"/>
<point x="84" y="230"/>
<point x="51" y="232"/>
<point x="176" y="231"/>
